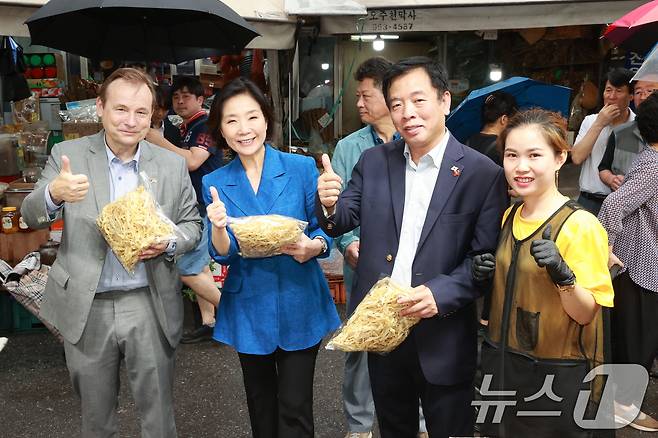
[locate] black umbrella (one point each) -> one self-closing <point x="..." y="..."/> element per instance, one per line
<point x="149" y="30"/>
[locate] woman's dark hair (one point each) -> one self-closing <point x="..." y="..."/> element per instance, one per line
<point x="234" y="88"/>
<point x="437" y="73"/>
<point x="552" y="126"/>
<point x="496" y="105"/>
<point x="647" y="118"/>
<point x="161" y="98"/>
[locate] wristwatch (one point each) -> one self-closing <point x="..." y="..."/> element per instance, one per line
<point x="324" y="244"/>
<point x="566" y="288"/>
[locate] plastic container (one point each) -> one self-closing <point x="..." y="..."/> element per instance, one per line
<point x="6" y="318"/>
<point x="23" y="319"/>
<point x="10" y="220"/>
<point x="35" y="60"/>
<point x="50" y="72"/>
<point x="22" y="226"/>
<point x="48" y="59"/>
<point x="9" y="155"/>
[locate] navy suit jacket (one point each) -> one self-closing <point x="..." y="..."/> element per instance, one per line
<point x="463" y="219"/>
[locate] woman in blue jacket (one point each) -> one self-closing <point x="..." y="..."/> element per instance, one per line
<point x="274" y="310"/>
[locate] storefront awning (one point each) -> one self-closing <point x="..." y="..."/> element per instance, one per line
<point x="268" y="17"/>
<point x="397" y="16"/>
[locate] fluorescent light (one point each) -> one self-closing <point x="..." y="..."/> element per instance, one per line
<point x="378" y="44"/>
<point x="325" y="66"/>
<point x="389" y="37"/>
<point x="326" y="81"/>
<point x="363" y="37"/>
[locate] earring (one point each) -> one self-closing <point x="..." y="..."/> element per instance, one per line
<point x="557" y="178"/>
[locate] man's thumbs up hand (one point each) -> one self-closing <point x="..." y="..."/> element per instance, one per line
<point x="329" y="185"/>
<point x="66" y="165"/>
<point x="68" y="187"/>
<point x="216" y="210"/>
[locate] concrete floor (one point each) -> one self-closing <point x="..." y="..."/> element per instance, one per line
<point x="36" y="399"/>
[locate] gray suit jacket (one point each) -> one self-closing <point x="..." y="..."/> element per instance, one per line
<point x="74" y="276"/>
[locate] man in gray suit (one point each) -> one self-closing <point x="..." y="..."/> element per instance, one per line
<point x="105" y="314"/>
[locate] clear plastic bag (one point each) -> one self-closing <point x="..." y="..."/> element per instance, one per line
<point x="264" y="235"/>
<point x="376" y="325"/>
<point x="134" y="222"/>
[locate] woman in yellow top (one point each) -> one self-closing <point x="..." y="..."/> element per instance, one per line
<point x="550" y="279"/>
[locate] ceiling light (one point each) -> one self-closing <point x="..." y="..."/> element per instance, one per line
<point x="325" y="66"/>
<point x="495" y="72"/>
<point x="378" y="44"/>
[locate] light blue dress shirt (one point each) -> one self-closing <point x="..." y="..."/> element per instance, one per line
<point x="124" y="177"/>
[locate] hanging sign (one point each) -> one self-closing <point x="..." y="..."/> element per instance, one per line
<point x="392" y="20"/>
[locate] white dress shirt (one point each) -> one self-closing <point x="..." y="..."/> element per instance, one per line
<point x="589" y="180"/>
<point x="419" y="184"/>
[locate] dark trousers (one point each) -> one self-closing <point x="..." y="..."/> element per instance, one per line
<point x="591" y="202"/>
<point x="279" y="389"/>
<point x="398" y="382"/>
<point x="634" y="333"/>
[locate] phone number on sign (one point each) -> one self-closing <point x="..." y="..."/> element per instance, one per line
<point x="385" y="27"/>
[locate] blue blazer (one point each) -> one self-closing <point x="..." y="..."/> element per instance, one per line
<point x="463" y="219"/>
<point x="275" y="301"/>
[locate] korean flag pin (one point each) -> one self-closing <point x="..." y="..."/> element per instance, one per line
<point x="455" y="171"/>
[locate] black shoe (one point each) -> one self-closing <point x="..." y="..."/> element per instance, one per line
<point x="202" y="334"/>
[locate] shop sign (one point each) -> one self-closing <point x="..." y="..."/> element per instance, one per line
<point x="633" y="61"/>
<point x="394" y="20"/>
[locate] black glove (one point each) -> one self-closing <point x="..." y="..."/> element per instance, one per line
<point x="547" y="255"/>
<point x="483" y="267"/>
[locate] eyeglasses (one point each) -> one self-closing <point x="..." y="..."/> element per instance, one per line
<point x="643" y="93"/>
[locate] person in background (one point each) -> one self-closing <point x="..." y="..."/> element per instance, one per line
<point x="426" y="204"/>
<point x="551" y="267"/>
<point x="274" y="310"/>
<point x="630" y="216"/>
<point x="160" y="111"/>
<point x="358" y="405"/>
<point x="202" y="157"/>
<point x="497" y="109"/>
<point x="593" y="135"/>
<point x="625" y="142"/>
<point x="105" y="314"/>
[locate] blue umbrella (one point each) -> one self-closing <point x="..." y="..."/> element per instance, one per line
<point x="466" y="119"/>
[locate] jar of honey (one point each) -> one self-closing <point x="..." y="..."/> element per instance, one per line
<point x="9" y="220"/>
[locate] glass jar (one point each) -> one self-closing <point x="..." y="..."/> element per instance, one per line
<point x="22" y="225"/>
<point x="9" y="220"/>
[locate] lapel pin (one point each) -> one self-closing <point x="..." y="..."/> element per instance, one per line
<point x="455" y="171"/>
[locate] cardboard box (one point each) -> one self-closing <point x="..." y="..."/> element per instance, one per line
<point x="72" y="130"/>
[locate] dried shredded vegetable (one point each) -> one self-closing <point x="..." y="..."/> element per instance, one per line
<point x="376" y="324"/>
<point x="263" y="236"/>
<point x="131" y="224"/>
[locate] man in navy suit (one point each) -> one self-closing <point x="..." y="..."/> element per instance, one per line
<point x="426" y="205"/>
